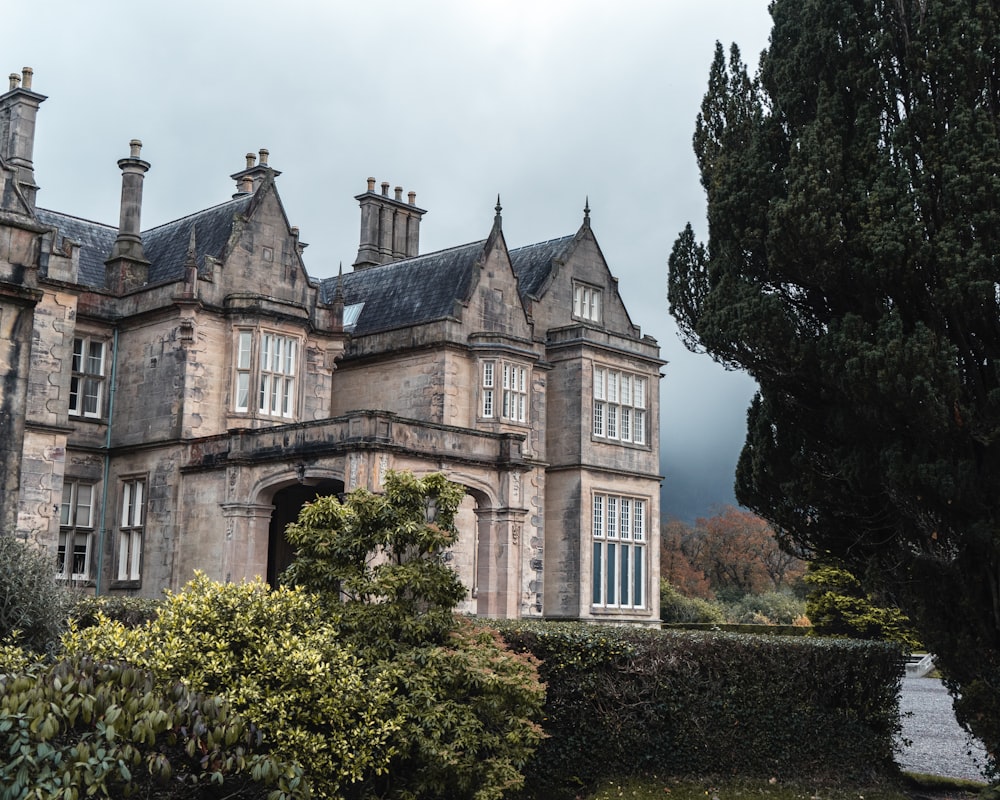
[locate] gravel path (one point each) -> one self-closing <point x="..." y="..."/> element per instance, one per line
<point x="938" y="745"/>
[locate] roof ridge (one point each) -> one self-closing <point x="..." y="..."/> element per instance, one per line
<point x="542" y="244"/>
<point x="78" y="219"/>
<point x="233" y="200"/>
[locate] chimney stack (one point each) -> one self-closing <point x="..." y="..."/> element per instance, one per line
<point x="249" y="180"/>
<point x="127" y="268"/>
<point x="18" y="112"/>
<point x="390" y="226"/>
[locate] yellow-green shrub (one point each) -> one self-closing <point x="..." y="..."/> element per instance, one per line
<point x="277" y="659"/>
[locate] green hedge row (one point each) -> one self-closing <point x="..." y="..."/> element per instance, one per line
<point x="625" y="700"/>
<point x="740" y="627"/>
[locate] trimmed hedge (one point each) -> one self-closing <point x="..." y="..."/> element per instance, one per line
<point x="626" y="700"/>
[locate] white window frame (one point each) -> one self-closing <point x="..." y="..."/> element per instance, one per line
<point x="619" y="405"/>
<point x="76" y="531"/>
<point x="512" y="380"/>
<point x="131" y="529"/>
<point x="86" y="388"/>
<point x="619" y="572"/>
<point x="266" y="368"/>
<point x="587" y="302"/>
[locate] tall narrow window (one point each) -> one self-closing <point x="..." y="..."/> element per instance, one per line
<point x="619" y="558"/>
<point x="272" y="370"/>
<point x="243" y="347"/>
<point x="619" y="406"/>
<point x="586" y="302"/>
<point x="86" y="385"/>
<point x="76" y="531"/>
<point x="132" y="524"/>
<point x="488" y="388"/>
<point x="515" y="392"/>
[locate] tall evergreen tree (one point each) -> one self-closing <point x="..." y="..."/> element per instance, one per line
<point x="853" y="269"/>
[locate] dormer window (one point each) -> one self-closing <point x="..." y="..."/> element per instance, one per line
<point x="587" y="302"/>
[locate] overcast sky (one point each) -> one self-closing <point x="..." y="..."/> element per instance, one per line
<point x="544" y="102"/>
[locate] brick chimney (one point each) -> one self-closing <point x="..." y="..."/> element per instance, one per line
<point x="390" y="226"/>
<point x="127" y="267"/>
<point x="18" y="110"/>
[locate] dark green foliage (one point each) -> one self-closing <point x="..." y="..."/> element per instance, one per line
<point x="32" y="604"/>
<point x="467" y="706"/>
<point x="78" y="728"/>
<point x="838" y="606"/>
<point x="626" y="700"/>
<point x="130" y="611"/>
<point x="851" y="269"/>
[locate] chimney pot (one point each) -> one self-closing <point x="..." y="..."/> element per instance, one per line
<point x="15" y="79"/>
<point x="371" y="184"/>
<point x="263" y="156"/>
<point x="413" y="198"/>
<point x="26" y="74"/>
<point x="246" y="185"/>
<point x="385" y="188"/>
<point x="251" y="160"/>
<point x="134" y="147"/>
<point x="399" y="192"/>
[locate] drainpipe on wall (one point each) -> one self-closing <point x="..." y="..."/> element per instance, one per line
<point x="107" y="466"/>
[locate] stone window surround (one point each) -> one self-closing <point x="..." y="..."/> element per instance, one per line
<point x="275" y="383"/>
<point x="76" y="530"/>
<point x="619" y="406"/>
<point x="133" y="501"/>
<point x="618" y="524"/>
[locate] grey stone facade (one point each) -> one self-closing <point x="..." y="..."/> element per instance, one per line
<point x="170" y="397"/>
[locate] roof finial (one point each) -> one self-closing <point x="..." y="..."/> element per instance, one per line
<point x="338" y="292"/>
<point x="586" y="211"/>
<point x="498" y="219"/>
<point x="191" y="246"/>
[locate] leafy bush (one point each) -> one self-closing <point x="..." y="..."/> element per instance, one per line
<point x="78" y="728"/>
<point x="278" y="659"/>
<point x="675" y="607"/>
<point x="467" y="705"/>
<point x="838" y="605"/>
<point x="130" y="611"/>
<point x="769" y="608"/>
<point x="625" y="700"/>
<point x="31" y="602"/>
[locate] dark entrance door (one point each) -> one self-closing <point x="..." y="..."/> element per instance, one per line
<point x="287" y="504"/>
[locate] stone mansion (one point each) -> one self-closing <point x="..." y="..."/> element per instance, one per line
<point x="171" y="397"/>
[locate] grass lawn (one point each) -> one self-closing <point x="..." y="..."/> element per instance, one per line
<point x="913" y="786"/>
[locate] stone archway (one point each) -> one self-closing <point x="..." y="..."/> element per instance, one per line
<point x="287" y="504"/>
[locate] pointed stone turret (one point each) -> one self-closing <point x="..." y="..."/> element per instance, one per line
<point x="390" y="226"/>
<point x="18" y="111"/>
<point x="127" y="267"/>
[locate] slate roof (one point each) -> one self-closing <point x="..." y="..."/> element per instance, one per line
<point x="532" y="263"/>
<point x="426" y="288"/>
<point x="409" y="292"/>
<point x="95" y="238"/>
<point x="165" y="246"/>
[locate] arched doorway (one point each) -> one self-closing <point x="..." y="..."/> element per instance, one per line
<point x="287" y="504"/>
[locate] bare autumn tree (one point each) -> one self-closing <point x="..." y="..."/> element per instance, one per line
<point x="733" y="551"/>
<point x="676" y="567"/>
<point x="738" y="553"/>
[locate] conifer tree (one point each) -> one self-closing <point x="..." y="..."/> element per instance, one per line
<point x="853" y="269"/>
